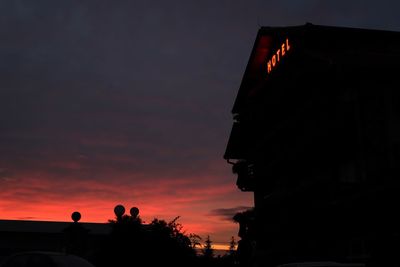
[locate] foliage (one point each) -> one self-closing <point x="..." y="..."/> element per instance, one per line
<point x="195" y="241"/>
<point x="232" y="246"/>
<point x="208" y="251"/>
<point x="159" y="243"/>
<point x="170" y="235"/>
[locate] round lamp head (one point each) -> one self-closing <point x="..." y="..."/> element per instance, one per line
<point x="119" y="210"/>
<point x="76" y="216"/>
<point x="134" y="212"/>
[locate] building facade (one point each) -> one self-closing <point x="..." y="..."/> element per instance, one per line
<point x="316" y="137"/>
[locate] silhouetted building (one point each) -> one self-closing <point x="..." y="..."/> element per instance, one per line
<point x="76" y="238"/>
<point x="316" y="137"/>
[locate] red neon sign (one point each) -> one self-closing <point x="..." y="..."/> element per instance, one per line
<point x="278" y="55"/>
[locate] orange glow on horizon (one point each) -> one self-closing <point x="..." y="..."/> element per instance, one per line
<point x="20" y="200"/>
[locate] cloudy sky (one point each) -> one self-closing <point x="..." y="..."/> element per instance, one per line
<point x="128" y="102"/>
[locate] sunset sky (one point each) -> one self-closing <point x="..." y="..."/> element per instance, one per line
<point x="128" y="102"/>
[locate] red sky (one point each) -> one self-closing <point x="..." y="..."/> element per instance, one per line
<point x="35" y="194"/>
<point x="128" y="102"/>
<point x="41" y="198"/>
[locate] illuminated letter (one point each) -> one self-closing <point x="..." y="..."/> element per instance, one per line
<point x="278" y="55"/>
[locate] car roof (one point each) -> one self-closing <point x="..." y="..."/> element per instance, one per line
<point x="60" y="259"/>
<point x="321" y="264"/>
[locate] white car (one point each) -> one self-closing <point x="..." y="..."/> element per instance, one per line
<point x="44" y="259"/>
<point x="321" y="264"/>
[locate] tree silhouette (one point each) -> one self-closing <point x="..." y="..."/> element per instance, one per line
<point x="159" y="243"/>
<point x="195" y="240"/>
<point x="171" y="245"/>
<point x="232" y="246"/>
<point x="208" y="251"/>
<point x="245" y="248"/>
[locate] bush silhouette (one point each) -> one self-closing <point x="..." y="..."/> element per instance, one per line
<point x="159" y="243"/>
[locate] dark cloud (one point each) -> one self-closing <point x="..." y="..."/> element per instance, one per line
<point x="110" y="94"/>
<point x="228" y="213"/>
<point x="68" y="86"/>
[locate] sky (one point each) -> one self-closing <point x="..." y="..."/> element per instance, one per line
<point x="128" y="102"/>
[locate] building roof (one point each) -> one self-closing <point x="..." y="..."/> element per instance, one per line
<point x="288" y="66"/>
<point x="49" y="227"/>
